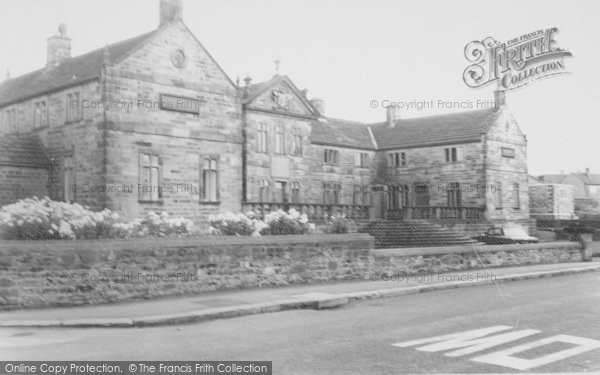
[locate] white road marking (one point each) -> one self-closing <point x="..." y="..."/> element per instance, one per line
<point x="469" y="342"/>
<point x="473" y="334"/>
<point x="505" y="357"/>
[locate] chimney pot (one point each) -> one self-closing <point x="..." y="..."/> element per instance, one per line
<point x="391" y="116"/>
<point x="170" y="10"/>
<point x="499" y="98"/>
<point x="319" y="105"/>
<point x="58" y="47"/>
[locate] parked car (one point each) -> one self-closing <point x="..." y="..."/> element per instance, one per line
<point x="505" y="235"/>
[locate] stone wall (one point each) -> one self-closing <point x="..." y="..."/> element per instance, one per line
<point x="446" y="259"/>
<point x="21" y="182"/>
<point x="79" y="140"/>
<point x="66" y="273"/>
<point x="56" y="273"/>
<point x="502" y="171"/>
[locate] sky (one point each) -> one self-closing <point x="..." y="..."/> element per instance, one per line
<point x="353" y="52"/>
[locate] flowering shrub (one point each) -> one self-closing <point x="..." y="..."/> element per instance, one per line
<point x="291" y="222"/>
<point x="278" y="222"/>
<point x="338" y="224"/>
<point x="162" y="225"/>
<point x="230" y="224"/>
<point x="41" y="219"/>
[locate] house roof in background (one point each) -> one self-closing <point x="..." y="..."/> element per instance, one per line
<point x="344" y="133"/>
<point x="433" y="130"/>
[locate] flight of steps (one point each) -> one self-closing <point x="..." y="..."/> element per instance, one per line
<point x="413" y="233"/>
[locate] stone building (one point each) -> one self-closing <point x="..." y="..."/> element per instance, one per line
<point x="551" y="201"/>
<point x="154" y="123"/>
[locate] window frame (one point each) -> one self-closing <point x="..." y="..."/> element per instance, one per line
<point x="264" y="191"/>
<point x="516" y="196"/>
<point x="262" y="141"/>
<point x="155" y="173"/>
<point x="73" y="114"/>
<point x="279" y="147"/>
<point x="297" y="141"/>
<point x="499" y="201"/>
<point x="209" y="179"/>
<point x="40" y="116"/>
<point x="295" y="196"/>
<point x="331" y="156"/>
<point x="68" y="179"/>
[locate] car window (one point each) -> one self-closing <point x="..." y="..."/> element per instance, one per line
<point x="517" y="232"/>
<point x="495" y="232"/>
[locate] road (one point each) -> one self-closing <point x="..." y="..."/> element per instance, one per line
<point x="359" y="339"/>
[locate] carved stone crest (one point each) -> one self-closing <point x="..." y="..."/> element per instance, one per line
<point x="281" y="98"/>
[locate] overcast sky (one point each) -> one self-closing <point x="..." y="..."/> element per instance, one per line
<point x="350" y="52"/>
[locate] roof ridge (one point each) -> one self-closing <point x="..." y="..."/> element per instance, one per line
<point x="40" y="70"/>
<point x="439" y="115"/>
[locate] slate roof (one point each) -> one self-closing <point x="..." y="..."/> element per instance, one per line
<point x="434" y="130"/>
<point x="552" y="178"/>
<point x="342" y="133"/>
<point x="68" y="73"/>
<point x="591" y="179"/>
<point x="23" y="151"/>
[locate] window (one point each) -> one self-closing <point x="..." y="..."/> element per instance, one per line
<point x="357" y="197"/>
<point x="498" y="195"/>
<point x="361" y="195"/>
<point x="297" y="141"/>
<point x="73" y="107"/>
<point x="40" y="114"/>
<point x="452" y="154"/>
<point x="516" y="197"/>
<point x="361" y="160"/>
<point x="331" y="156"/>
<point x="149" y="178"/>
<point x="508" y="152"/>
<point x="210" y="180"/>
<point x="68" y="174"/>
<point x="11" y="121"/>
<point x="453" y="195"/>
<point x="295" y="192"/>
<point x="264" y="194"/>
<point x="280" y="192"/>
<point x="397" y="159"/>
<point x="279" y="140"/>
<point x="262" y="138"/>
<point x="337" y="193"/>
<point x="332" y="193"/>
<point x="421" y="195"/>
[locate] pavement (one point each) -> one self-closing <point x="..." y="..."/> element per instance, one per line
<point x="221" y="305"/>
<point x="545" y="325"/>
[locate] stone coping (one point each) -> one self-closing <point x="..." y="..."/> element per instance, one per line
<point x="416" y="251"/>
<point x="362" y="239"/>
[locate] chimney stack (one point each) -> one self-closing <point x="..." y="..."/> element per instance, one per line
<point x="587" y="172"/>
<point x="499" y="98"/>
<point x="59" y="47"/>
<point x="170" y="10"/>
<point x="319" y="105"/>
<point x="391" y="116"/>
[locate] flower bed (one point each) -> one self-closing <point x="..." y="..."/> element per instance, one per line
<point x="43" y="219"/>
